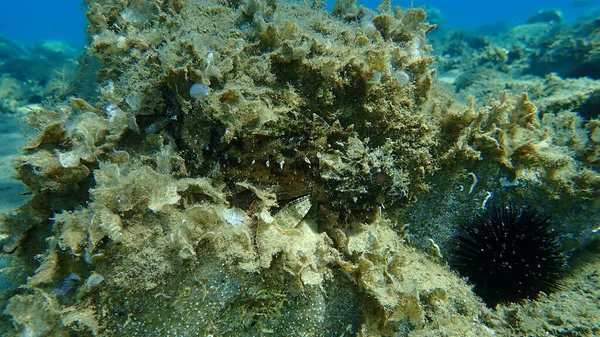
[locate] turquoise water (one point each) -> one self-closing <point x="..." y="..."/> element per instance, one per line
<point x="35" y="21"/>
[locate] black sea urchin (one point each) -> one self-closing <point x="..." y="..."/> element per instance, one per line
<point x="508" y="253"/>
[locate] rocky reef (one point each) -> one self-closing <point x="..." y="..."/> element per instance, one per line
<point x="268" y="168"/>
<point x="33" y="74"/>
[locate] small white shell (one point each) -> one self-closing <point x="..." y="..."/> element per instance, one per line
<point x="402" y="77"/>
<point x="92" y="282"/>
<point x="199" y="91"/>
<point x="375" y="77"/>
<point x="292" y="213"/>
<point x="233" y="216"/>
<point x="111" y="224"/>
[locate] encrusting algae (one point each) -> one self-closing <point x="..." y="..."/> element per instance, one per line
<point x="260" y="202"/>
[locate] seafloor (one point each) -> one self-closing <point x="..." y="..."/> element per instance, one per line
<point x="265" y="168"/>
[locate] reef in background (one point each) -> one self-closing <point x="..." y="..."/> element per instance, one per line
<point x="35" y="74"/>
<point x="252" y="168"/>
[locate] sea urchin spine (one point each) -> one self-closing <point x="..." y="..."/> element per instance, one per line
<point x="509" y="253"/>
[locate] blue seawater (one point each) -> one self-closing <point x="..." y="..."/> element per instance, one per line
<point x="38" y="20"/>
<point x="35" y="21"/>
<point x="472" y="14"/>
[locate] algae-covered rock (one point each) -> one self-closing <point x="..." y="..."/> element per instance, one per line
<point x="286" y="100"/>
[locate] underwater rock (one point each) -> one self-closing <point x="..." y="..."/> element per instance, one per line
<point x="546" y="16"/>
<point x="33" y="73"/>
